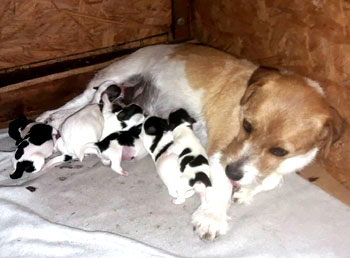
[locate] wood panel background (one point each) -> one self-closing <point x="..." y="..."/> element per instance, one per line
<point x="311" y="38"/>
<point x="36" y="30"/>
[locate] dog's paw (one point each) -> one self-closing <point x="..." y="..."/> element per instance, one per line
<point x="209" y="225"/>
<point x="243" y="196"/>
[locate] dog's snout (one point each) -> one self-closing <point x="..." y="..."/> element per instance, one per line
<point x="234" y="171"/>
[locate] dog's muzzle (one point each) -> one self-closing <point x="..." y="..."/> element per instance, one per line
<point x="234" y="170"/>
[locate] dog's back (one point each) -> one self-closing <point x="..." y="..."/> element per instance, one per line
<point x="82" y="127"/>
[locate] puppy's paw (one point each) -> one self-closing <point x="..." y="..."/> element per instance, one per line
<point x="243" y="196"/>
<point x="123" y="173"/>
<point x="178" y="200"/>
<point x="209" y="225"/>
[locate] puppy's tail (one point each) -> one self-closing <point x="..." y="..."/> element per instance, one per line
<point x="89" y="148"/>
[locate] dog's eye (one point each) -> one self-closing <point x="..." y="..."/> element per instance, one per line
<point x="247" y="126"/>
<point x="278" y="152"/>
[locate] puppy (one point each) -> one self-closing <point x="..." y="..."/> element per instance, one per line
<point x="258" y="123"/>
<point x="35" y="142"/>
<point x="157" y="138"/>
<point x="192" y="157"/>
<point x="19" y="128"/>
<point x="114" y="92"/>
<point x="86" y="125"/>
<point x="124" y="143"/>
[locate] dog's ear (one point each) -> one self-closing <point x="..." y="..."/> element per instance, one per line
<point x="332" y="131"/>
<point x="259" y="77"/>
<point x="261" y="74"/>
<point x="113" y="92"/>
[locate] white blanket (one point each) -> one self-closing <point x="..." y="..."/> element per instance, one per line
<point x="87" y="210"/>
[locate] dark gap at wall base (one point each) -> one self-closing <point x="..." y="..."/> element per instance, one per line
<point x="47" y="69"/>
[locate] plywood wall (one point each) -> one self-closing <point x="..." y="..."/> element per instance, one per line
<point x="311" y="38"/>
<point x="35" y="30"/>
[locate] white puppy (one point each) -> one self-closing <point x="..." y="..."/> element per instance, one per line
<point x="86" y="125"/>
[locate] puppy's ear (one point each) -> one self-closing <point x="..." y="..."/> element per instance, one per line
<point x="256" y="80"/>
<point x="332" y="131"/>
<point x="129" y="111"/>
<point x="113" y="91"/>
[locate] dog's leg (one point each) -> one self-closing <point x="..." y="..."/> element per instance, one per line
<point x="114" y="153"/>
<point x="245" y="194"/>
<point x="210" y="219"/>
<point x="115" y="73"/>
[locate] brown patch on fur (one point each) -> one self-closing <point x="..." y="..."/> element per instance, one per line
<point x="284" y="111"/>
<point x="224" y="79"/>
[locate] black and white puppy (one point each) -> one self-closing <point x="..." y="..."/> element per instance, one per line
<point x="35" y="142"/>
<point x="122" y="144"/>
<point x="157" y="138"/>
<point x="19" y="128"/>
<point x="192" y="157"/>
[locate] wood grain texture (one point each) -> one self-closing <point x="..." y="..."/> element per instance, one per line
<point x="36" y="30"/>
<point x="311" y="38"/>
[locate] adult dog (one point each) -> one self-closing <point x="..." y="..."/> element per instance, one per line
<point x="260" y="123"/>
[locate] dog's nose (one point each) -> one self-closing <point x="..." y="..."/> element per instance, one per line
<point x="234" y="171"/>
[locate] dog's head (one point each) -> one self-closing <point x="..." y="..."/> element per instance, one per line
<point x="121" y="118"/>
<point x="16" y="126"/>
<point x="178" y="117"/>
<point x="130" y="116"/>
<point x="152" y="131"/>
<point x="284" y="122"/>
<point x="112" y="90"/>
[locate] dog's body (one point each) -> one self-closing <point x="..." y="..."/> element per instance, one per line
<point x="82" y="127"/>
<point x="192" y="157"/>
<point x="122" y="140"/>
<point x="259" y="123"/>
<point x="157" y="138"/>
<point x="89" y="124"/>
<point x="35" y="143"/>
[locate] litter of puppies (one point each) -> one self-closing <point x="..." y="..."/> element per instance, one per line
<point x="114" y="132"/>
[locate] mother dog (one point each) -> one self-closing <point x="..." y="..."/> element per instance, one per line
<point x="260" y="123"/>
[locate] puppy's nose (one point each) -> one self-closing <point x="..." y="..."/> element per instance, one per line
<point x="234" y="171"/>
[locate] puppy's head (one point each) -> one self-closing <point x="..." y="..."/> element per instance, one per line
<point x="112" y="90"/>
<point x="178" y="117"/>
<point x="284" y="122"/>
<point x="153" y="128"/>
<point x="130" y="116"/>
<point x="16" y="126"/>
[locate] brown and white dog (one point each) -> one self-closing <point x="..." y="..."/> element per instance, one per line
<point x="260" y="123"/>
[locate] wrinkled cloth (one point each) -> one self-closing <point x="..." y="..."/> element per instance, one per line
<point x="86" y="210"/>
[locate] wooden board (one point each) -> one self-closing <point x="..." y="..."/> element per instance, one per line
<point x="311" y="38"/>
<point x="36" y="30"/>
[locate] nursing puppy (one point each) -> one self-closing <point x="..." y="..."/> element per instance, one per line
<point x="192" y="157"/>
<point x="157" y="138"/>
<point x="258" y="123"/>
<point x="19" y="128"/>
<point x="124" y="143"/>
<point x="35" y="142"/>
<point x="86" y="125"/>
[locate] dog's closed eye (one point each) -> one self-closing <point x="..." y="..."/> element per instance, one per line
<point x="247" y="126"/>
<point x="278" y="151"/>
